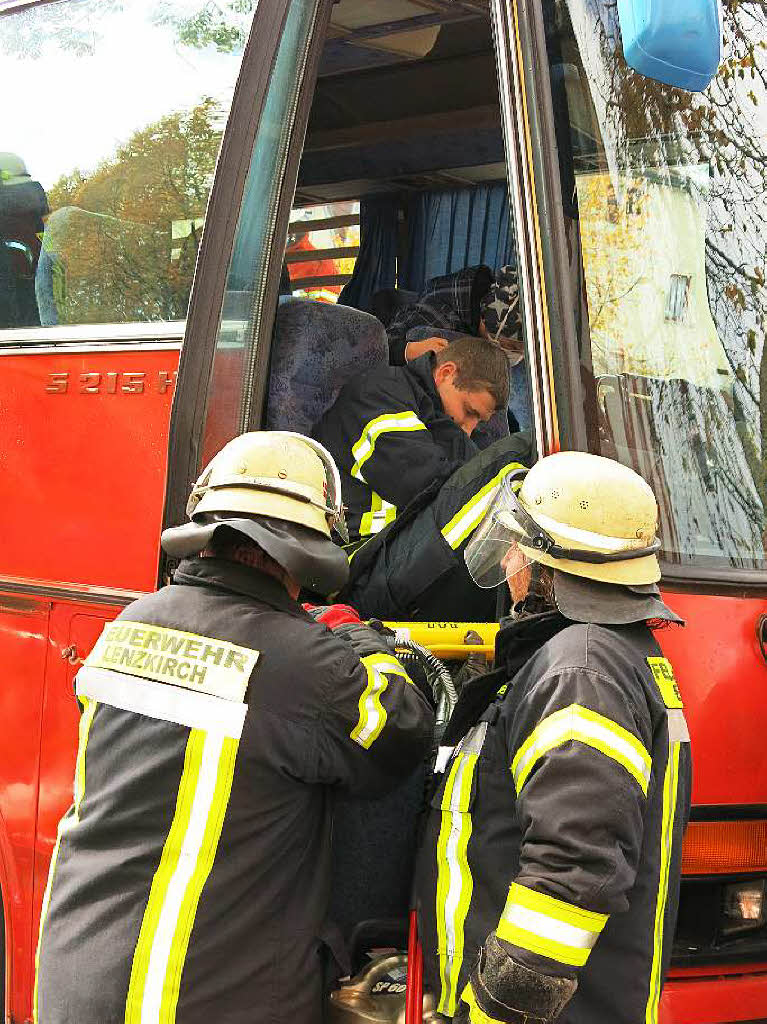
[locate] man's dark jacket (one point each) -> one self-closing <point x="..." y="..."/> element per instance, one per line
<point x="448" y="303"/>
<point x="391" y="440"/>
<point x="558" y="821"/>
<point x="190" y="879"/>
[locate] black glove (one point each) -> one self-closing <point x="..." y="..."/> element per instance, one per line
<point x="507" y="992"/>
<point x="364" y="638"/>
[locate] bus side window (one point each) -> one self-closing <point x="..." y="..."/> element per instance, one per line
<point x="101" y="213"/>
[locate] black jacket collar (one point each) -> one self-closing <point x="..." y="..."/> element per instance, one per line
<point x="239" y="579"/>
<point x="519" y="639"/>
<point x="516" y="643"/>
<point x="422" y="369"/>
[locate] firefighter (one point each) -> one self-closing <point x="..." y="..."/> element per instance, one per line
<point x="548" y="877"/>
<point x="415" y="482"/>
<point x="189" y="881"/>
<point x="23" y="205"/>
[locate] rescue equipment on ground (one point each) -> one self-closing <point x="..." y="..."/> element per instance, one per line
<point x="377" y="994"/>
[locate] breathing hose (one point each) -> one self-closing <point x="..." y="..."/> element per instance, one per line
<point x="439" y="678"/>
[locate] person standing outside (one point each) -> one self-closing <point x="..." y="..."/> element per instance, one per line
<point x="548" y="877"/>
<point x="189" y="882"/>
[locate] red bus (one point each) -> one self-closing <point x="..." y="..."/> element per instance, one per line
<point x="154" y="154"/>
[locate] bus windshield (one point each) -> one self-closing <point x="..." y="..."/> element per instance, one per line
<point x="665" y="203"/>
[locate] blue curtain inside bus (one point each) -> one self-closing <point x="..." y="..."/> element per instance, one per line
<point x="447" y="230"/>
<point x="376" y="265"/>
<point x="456" y="228"/>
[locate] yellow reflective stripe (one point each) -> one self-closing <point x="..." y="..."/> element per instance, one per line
<point x="185" y="864"/>
<point x="387" y="663"/>
<point x="588" y="727"/>
<point x="372" y="717"/>
<point x="381" y="513"/>
<point x="476" y="1014"/>
<point x="389" y="422"/>
<point x="67" y="823"/>
<point x="168" y="863"/>
<point x="665" y="679"/>
<point x="670" y="786"/>
<point x="549" y="926"/>
<point x="454" y="881"/>
<point x="558" y="910"/>
<point x="468" y="518"/>
<point x="202" y="869"/>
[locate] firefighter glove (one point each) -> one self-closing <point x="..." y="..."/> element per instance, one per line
<point x="500" y="989"/>
<point x="346" y="624"/>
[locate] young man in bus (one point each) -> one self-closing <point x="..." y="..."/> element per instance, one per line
<point x="475" y="302"/>
<point x="548" y="877"/>
<point x="415" y="483"/>
<point x="190" y="878"/>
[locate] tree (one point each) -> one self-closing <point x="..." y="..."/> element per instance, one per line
<point x="223" y="25"/>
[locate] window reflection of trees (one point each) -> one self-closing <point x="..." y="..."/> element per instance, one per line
<point x="120" y="238"/>
<point x="704" y="448"/>
<point x="122" y="241"/>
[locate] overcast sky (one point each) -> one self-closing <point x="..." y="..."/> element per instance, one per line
<point x="65" y="110"/>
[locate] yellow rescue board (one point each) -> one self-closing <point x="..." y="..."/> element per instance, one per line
<point x="448" y="639"/>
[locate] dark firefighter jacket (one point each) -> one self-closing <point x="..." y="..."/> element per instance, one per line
<point x="189" y="882"/>
<point x="558" y="822"/>
<point x="391" y="440"/>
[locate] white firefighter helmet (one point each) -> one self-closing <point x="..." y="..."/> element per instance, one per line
<point x="280" y="489"/>
<point x="13" y="170"/>
<point x="273" y="473"/>
<point x="582" y="514"/>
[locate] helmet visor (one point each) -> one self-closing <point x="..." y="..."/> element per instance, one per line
<point x="486" y="552"/>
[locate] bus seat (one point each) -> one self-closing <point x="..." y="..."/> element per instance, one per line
<point x="316" y="348"/>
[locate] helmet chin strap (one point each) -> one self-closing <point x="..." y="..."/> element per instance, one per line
<point x="535" y="600"/>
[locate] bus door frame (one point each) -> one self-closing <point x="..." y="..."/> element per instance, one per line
<point x="190" y="405"/>
<point x="545" y="281"/>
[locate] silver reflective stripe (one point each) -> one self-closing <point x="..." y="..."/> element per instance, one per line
<point x="192" y="846"/>
<point x="163" y="701"/>
<point x="677" y="726"/>
<point x="454" y="881"/>
<point x="443" y="756"/>
<point x="475" y="739"/>
<point x="549" y="928"/>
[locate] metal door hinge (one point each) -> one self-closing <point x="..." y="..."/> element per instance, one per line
<point x="70" y="654"/>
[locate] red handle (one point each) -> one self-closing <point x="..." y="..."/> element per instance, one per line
<point x="414" y="990"/>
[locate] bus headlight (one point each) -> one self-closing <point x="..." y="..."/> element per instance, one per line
<point x="743" y="907"/>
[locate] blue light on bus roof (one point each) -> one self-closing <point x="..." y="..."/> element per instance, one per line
<point x="678" y="42"/>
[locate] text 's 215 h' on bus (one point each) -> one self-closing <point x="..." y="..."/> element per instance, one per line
<point x="185" y="190"/>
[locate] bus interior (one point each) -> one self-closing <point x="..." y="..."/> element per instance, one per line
<point x="404" y="159"/>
